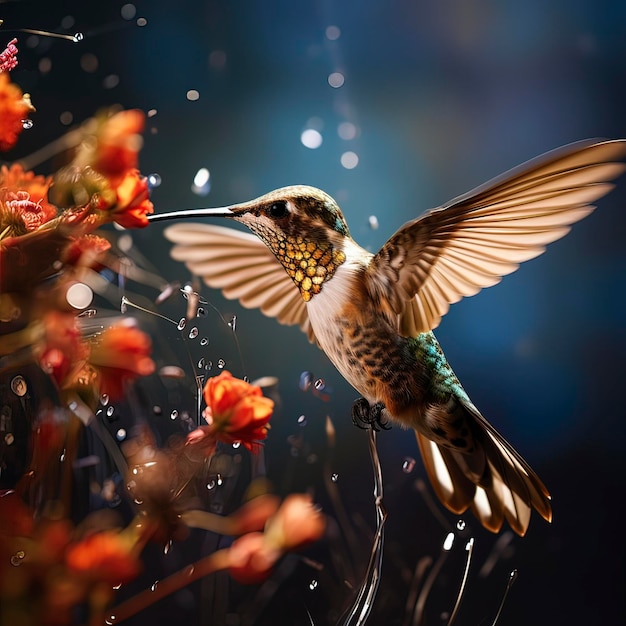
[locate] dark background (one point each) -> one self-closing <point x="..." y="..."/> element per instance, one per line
<point x="445" y="95"/>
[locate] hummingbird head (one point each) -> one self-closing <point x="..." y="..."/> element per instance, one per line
<point x="303" y="227"/>
<point x="292" y="211"/>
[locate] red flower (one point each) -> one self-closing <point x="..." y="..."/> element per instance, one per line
<point x="105" y="556"/>
<point x="295" y="524"/>
<point x="251" y="560"/>
<point x="23" y="203"/>
<point x="236" y="410"/>
<point x="118" y="143"/>
<point x="86" y="251"/>
<point x="15" y="179"/>
<point x="133" y="201"/>
<point x="8" y="57"/>
<point x="14" y="107"/>
<point x="121" y="354"/>
<point x="63" y="347"/>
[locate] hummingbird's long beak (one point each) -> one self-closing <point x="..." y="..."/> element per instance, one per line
<point x="177" y="215"/>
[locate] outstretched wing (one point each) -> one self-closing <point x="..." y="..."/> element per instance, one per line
<point x="474" y="240"/>
<point x="243" y="268"/>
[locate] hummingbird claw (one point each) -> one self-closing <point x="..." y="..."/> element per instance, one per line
<point x="366" y="416"/>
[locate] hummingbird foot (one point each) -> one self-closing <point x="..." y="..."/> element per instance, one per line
<point x="366" y="415"/>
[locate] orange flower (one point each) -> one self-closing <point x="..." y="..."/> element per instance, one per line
<point x="133" y="201"/>
<point x="14" y="107"/>
<point x="118" y="143"/>
<point x="86" y="251"/>
<point x="15" y="179"/>
<point x="121" y="354"/>
<point x="105" y="556"/>
<point x="63" y="347"/>
<point x="295" y="524"/>
<point x="236" y="410"/>
<point x="251" y="560"/>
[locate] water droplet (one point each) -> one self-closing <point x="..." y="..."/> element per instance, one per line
<point x="157" y="410"/>
<point x="18" y="558"/>
<point x="201" y="312"/>
<point x="116" y="587"/>
<point x="167" y="546"/>
<point x="221" y="364"/>
<point x="219" y="480"/>
<point x="121" y="434"/>
<point x="319" y="384"/>
<point x="233" y="323"/>
<point x="373" y="222"/>
<point x="182" y="323"/>
<point x="313" y="585"/>
<point x="236" y="444"/>
<point x="408" y="464"/>
<point x="209" y="365"/>
<point x="448" y="542"/>
<point x="193" y="333"/>
<point x="211" y="484"/>
<point x="334" y="477"/>
<point x="306" y="380"/>
<point x="154" y="585"/>
<point x="174" y="414"/>
<point x="62" y="457"/>
<point x="302" y="421"/>
<point x="154" y="180"/>
<point x="109" y="621"/>
<point x="204" y="341"/>
<point x="124" y="305"/>
<point x="460" y="525"/>
<point x="26" y="124"/>
<point x="110" y="410"/>
<point x="201" y="364"/>
<point x="104" y="399"/>
<point x="77" y="37"/>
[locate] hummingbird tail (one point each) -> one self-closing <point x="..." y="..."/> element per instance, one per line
<point x="493" y="481"/>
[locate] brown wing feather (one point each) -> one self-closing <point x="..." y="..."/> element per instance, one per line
<point x="243" y="268"/>
<point x="471" y="242"/>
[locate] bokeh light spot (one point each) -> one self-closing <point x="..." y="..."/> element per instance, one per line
<point x="201" y="182"/>
<point x="336" y="80"/>
<point x="333" y="33"/>
<point x="347" y="131"/>
<point x="311" y="138"/>
<point x="349" y="160"/>
<point x="128" y="11"/>
<point x="79" y="296"/>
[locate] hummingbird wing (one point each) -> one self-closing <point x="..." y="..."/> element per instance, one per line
<point x="243" y="267"/>
<point x="471" y="242"/>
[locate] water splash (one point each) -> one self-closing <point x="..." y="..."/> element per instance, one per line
<point x="509" y="584"/>
<point x="469" y="547"/>
<point x="408" y="464"/>
<point x="359" y="612"/>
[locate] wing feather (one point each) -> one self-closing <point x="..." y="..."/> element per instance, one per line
<point x="471" y="242"/>
<point x="242" y="267"/>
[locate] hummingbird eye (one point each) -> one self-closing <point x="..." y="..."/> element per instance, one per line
<point x="278" y="210"/>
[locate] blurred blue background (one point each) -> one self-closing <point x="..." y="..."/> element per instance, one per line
<point x="435" y="97"/>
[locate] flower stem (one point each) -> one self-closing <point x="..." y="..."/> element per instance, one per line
<point x="217" y="561"/>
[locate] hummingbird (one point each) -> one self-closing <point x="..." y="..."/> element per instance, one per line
<point x="373" y="314"/>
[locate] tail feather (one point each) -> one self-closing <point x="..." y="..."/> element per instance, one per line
<point x="507" y="488"/>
